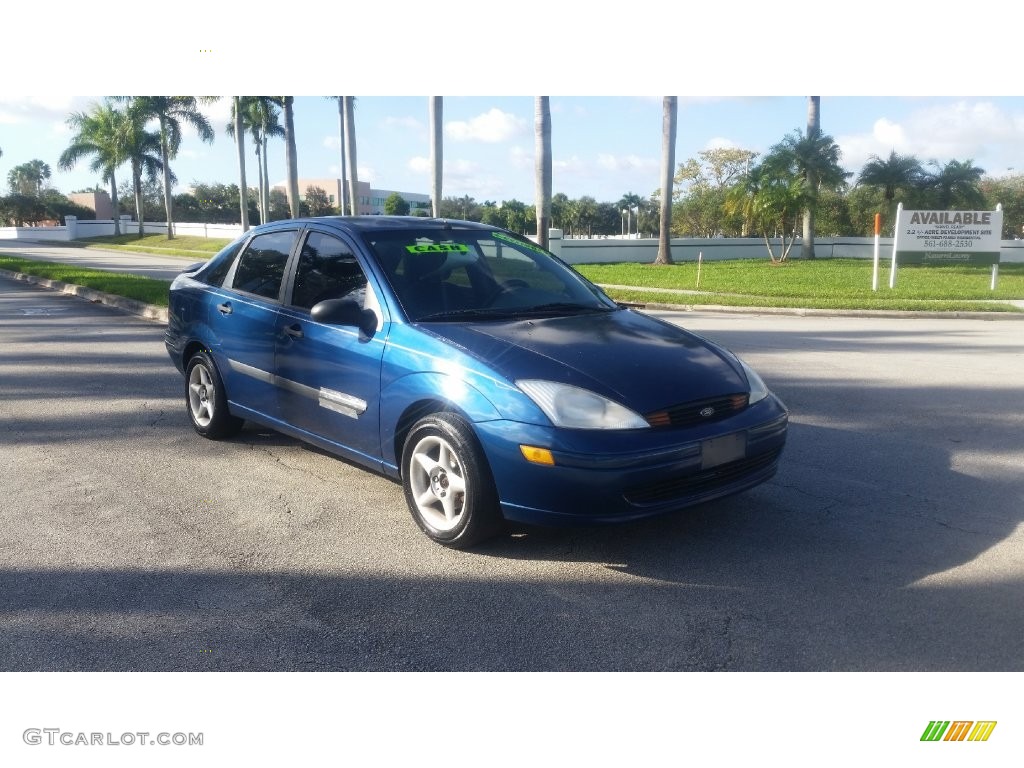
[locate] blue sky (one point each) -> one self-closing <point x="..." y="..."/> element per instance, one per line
<point x="606" y="120"/>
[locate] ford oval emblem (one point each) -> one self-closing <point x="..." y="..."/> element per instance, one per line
<point x="705" y="412"/>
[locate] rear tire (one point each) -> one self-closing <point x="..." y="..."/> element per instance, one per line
<point x="448" y="485"/>
<point x="206" y="400"/>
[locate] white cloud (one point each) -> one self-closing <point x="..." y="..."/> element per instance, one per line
<point x="405" y="123"/>
<point x="975" y="130"/>
<point x="454" y="170"/>
<point x="21" y="109"/>
<point x="491" y="127"/>
<point x="333" y="142"/>
<point x="609" y="162"/>
<point x="367" y="174"/>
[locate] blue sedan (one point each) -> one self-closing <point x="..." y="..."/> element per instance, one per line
<point x="489" y="377"/>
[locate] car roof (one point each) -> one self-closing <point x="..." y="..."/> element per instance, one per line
<point x="382" y="223"/>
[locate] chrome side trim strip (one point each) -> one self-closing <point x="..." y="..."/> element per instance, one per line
<point x="340" y="402"/>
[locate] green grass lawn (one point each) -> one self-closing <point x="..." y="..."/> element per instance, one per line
<point x="188" y="246"/>
<point x="130" y="286"/>
<point x="822" y="283"/>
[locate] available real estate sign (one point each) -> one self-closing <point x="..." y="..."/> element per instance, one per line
<point x="948" y="237"/>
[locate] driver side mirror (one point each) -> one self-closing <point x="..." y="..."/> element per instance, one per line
<point x="344" y="312"/>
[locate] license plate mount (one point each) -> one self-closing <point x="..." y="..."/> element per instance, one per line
<point x="722" y="450"/>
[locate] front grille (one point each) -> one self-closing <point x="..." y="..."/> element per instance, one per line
<point x="700" y="482"/>
<point x="698" y="411"/>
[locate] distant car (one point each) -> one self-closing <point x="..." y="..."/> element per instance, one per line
<point x="488" y="376"/>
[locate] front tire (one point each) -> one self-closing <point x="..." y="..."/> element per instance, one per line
<point x="206" y="400"/>
<point x="448" y="485"/>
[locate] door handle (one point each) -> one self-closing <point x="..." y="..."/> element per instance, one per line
<point x="295" y="331"/>
<point x="225" y="308"/>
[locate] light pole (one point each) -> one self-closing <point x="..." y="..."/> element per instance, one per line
<point x="623" y="218"/>
<point x="637" y="209"/>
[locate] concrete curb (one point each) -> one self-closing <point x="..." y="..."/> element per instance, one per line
<point x="131" y="306"/>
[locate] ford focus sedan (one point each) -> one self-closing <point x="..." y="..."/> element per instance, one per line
<point x="490" y="378"/>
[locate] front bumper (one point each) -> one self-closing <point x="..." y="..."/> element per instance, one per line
<point x="616" y="477"/>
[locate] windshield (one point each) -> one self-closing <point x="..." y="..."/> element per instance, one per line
<point x="450" y="275"/>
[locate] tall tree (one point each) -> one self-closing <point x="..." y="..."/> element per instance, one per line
<point x="813" y="129"/>
<point x="142" y="150"/>
<point x="350" y="152"/>
<point x="815" y="158"/>
<point x="341" y="148"/>
<point x="28" y="178"/>
<point x="171" y="112"/>
<point x="436" y="111"/>
<point x="668" y="164"/>
<point x="96" y="133"/>
<point x="957" y="184"/>
<point x="261" y="118"/>
<point x="243" y="194"/>
<point x="542" y="167"/>
<point x="291" y="154"/>
<point x="899" y="173"/>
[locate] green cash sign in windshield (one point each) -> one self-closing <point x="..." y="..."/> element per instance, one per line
<point x="438" y="248"/>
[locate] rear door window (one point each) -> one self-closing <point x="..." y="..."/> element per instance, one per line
<point x="261" y="268"/>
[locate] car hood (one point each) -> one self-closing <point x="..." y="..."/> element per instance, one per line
<point x="643" y="363"/>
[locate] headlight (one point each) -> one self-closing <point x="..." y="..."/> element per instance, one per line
<point x="758" y="390"/>
<point x="576" y="408"/>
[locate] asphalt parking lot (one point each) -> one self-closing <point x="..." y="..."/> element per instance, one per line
<point x="891" y="538"/>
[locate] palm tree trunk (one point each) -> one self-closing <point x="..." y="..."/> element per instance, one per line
<point x="350" y="152"/>
<point x="813" y="126"/>
<point x="668" y="163"/>
<point x="259" y="180"/>
<point x="137" y="182"/>
<point x="341" y="146"/>
<point x="542" y="167"/>
<point x="167" y="178"/>
<point x="291" y="157"/>
<point x="114" y="203"/>
<point x="266" y="182"/>
<point x="243" y="195"/>
<point x="436" y="152"/>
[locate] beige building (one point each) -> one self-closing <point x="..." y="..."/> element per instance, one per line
<point x="94" y="201"/>
<point x="370" y="201"/>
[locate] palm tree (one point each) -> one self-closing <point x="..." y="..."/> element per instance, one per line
<point x="815" y="159"/>
<point x="542" y="183"/>
<point x="350" y="152"/>
<point x="813" y="128"/>
<point x="141" y="148"/>
<point x="436" y="152"/>
<point x="668" y="166"/>
<point x="96" y="134"/>
<point x="341" y="147"/>
<point x="28" y="178"/>
<point x="261" y="118"/>
<point x="243" y="193"/>
<point x="956" y="184"/>
<point x="171" y="112"/>
<point x="291" y="154"/>
<point x="771" y="198"/>
<point x="899" y="172"/>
